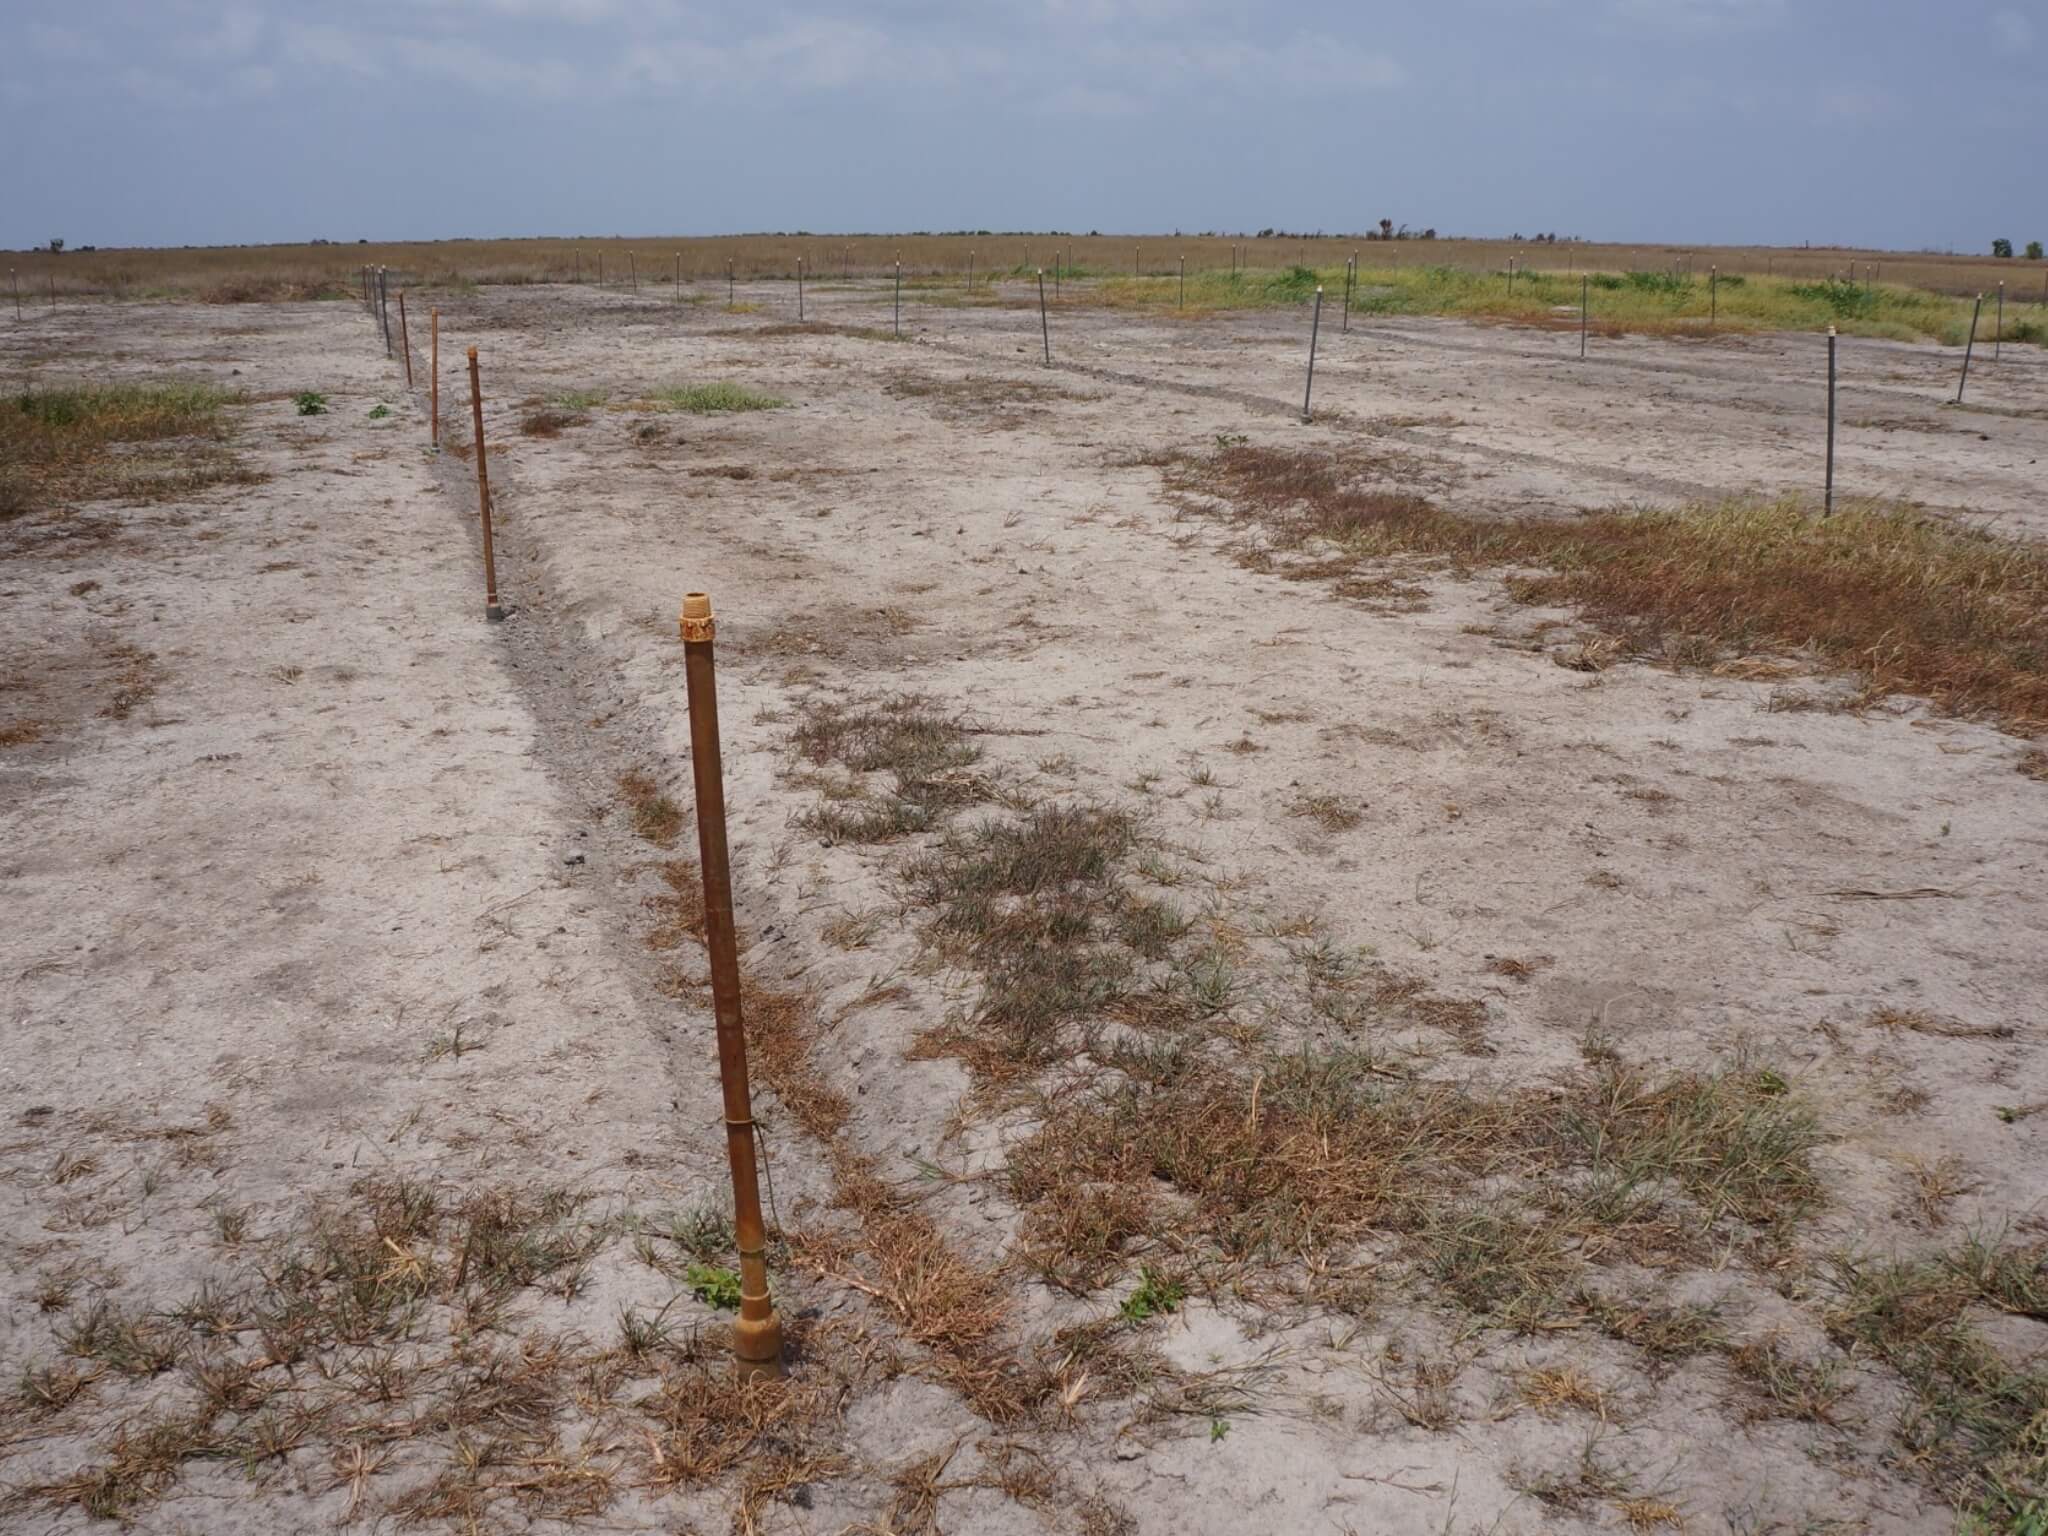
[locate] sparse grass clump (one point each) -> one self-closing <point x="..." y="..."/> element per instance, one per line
<point x="656" y="817"/>
<point x="133" y="442"/>
<point x="1918" y="605"/>
<point x="709" y="399"/>
<point x="1977" y="1420"/>
<point x="927" y="752"/>
<point x="1305" y="1154"/>
<point x="1029" y="903"/>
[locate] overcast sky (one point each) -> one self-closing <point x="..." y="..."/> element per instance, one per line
<point x="1879" y="122"/>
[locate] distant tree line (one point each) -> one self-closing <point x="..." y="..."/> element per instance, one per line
<point x="2004" y="248"/>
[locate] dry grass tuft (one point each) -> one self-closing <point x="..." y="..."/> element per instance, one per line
<point x="1784" y="1386"/>
<point x="1333" y="813"/>
<point x="1975" y="1415"/>
<point x="1308" y="1154"/>
<point x="1920" y="1022"/>
<point x="656" y="817"/>
<point x="1915" y="604"/>
<point x="549" y="423"/>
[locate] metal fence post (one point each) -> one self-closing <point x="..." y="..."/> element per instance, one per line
<point x="1969" y="347"/>
<point x="1828" y="498"/>
<point x="1315" y="325"/>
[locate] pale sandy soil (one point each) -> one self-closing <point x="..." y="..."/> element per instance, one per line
<point x="246" y="920"/>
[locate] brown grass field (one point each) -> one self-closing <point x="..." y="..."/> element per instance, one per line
<point x="228" y="273"/>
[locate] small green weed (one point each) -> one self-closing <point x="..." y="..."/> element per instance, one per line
<point x="708" y="399"/>
<point x="714" y="1286"/>
<point x="310" y="402"/>
<point x="1156" y="1296"/>
<point x="379" y="412"/>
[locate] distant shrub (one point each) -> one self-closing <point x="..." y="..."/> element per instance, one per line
<point x="1849" y="301"/>
<point x="1659" y="282"/>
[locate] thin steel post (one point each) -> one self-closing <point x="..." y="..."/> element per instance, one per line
<point x="1713" y="297"/>
<point x="679" y="277"/>
<point x="492" y="611"/>
<point x="1315" y="325"/>
<point x="799" y="288"/>
<point x="970" y="271"/>
<point x="1998" y="331"/>
<point x="1969" y="347"/>
<point x="434" y="381"/>
<point x="14" y="278"/>
<point x="757" y="1334"/>
<point x="899" y="296"/>
<point x="384" y="305"/>
<point x="633" y="271"/>
<point x="729" y="300"/>
<point x="1044" y="326"/>
<point x="600" y="269"/>
<point x="1183" y="282"/>
<point x="1828" y="497"/>
<point x="404" y="339"/>
<point x="579" y="264"/>
<point x="1585" y="290"/>
<point x="1350" y="276"/>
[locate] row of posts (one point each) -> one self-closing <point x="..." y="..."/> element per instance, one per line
<point x="757" y="1333"/>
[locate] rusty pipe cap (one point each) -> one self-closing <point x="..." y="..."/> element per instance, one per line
<point x="696" y="621"/>
<point x="757" y="1348"/>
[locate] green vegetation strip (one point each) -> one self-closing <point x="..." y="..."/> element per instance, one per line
<point x="1642" y="302"/>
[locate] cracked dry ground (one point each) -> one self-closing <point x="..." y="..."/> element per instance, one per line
<point x="1244" y="1040"/>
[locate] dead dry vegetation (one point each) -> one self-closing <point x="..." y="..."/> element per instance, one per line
<point x="394" y="1342"/>
<point x="1266" y="1118"/>
<point x="1910" y="603"/>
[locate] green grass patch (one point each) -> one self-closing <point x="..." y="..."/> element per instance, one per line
<point x="1683" y="303"/>
<point x="709" y="399"/>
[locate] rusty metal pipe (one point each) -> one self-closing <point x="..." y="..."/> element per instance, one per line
<point x="434" y="377"/>
<point x="404" y="339"/>
<point x="757" y="1335"/>
<point x="492" y="611"/>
